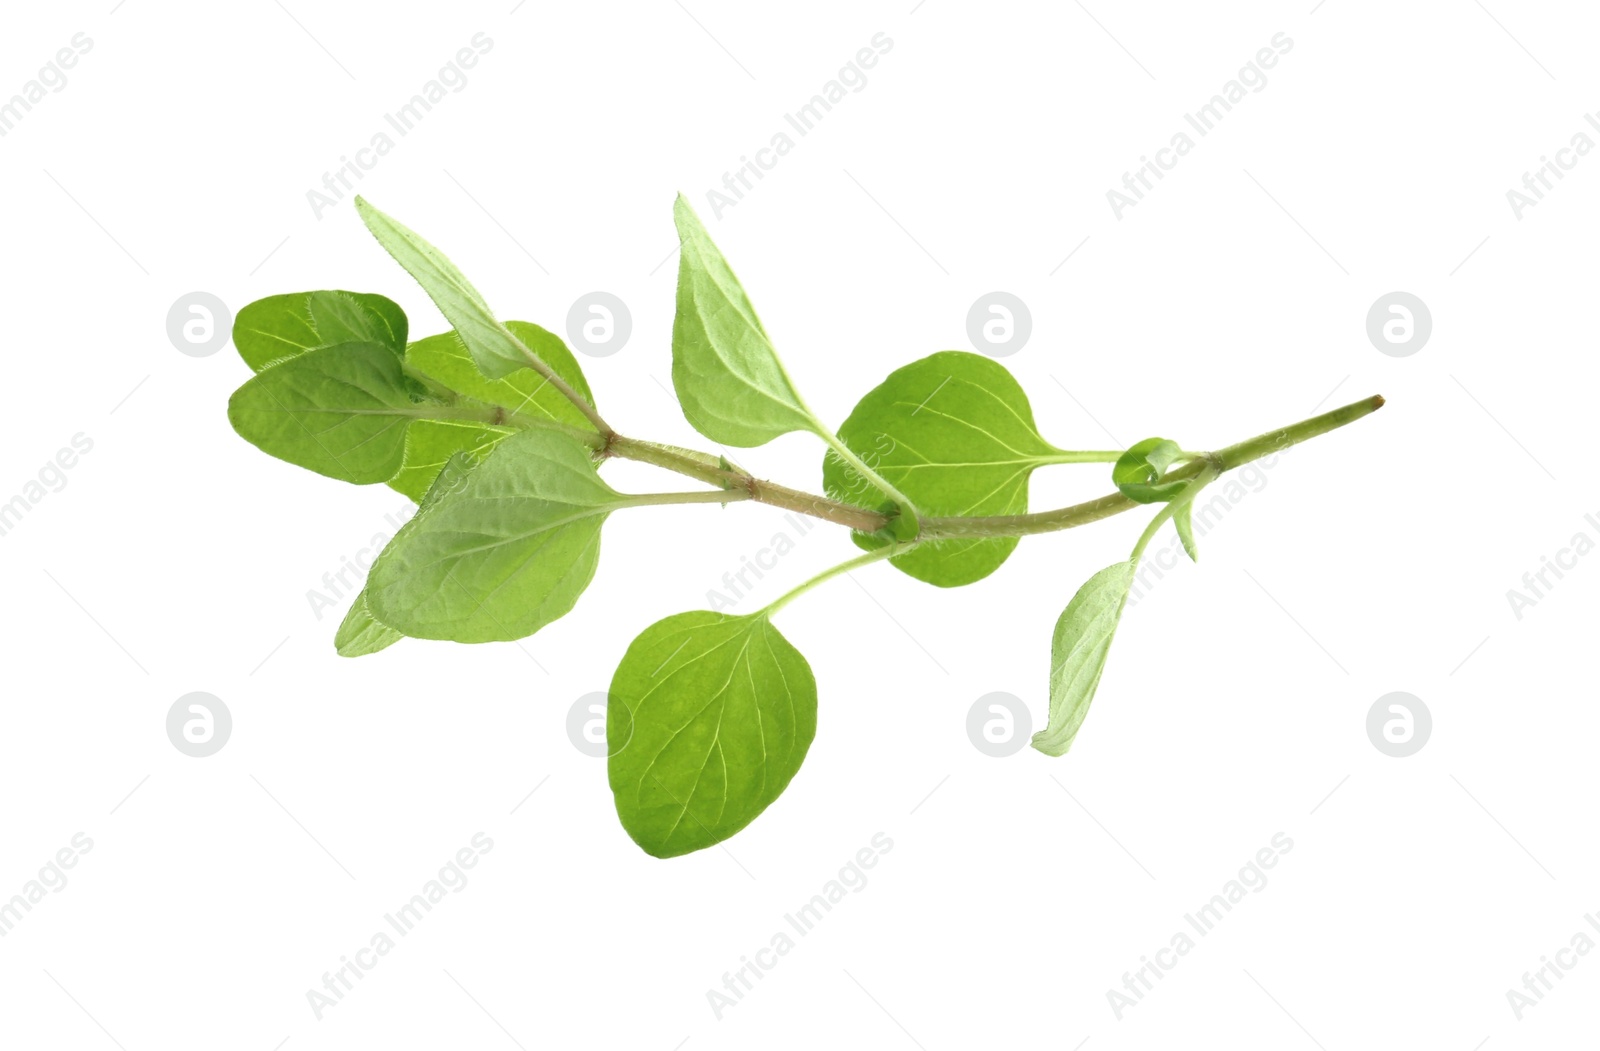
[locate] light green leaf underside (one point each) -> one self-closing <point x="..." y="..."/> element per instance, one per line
<point x="955" y="433"/>
<point x="729" y="380"/>
<point x="445" y="360"/>
<point x="360" y="634"/>
<point x="710" y="717"/>
<point x="496" y="351"/>
<point x="1184" y="524"/>
<point x="1078" y="653"/>
<point x="499" y="550"/>
<point x="341" y="411"/>
<point x="284" y="326"/>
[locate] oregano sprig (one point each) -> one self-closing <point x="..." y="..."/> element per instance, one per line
<point x="492" y="428"/>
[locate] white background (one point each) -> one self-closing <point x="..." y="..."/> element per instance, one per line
<point x="1232" y="299"/>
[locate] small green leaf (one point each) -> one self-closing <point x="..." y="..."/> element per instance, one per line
<point x="710" y="717"/>
<point x="1078" y="653"/>
<point x="732" y="386"/>
<point x="1185" y="527"/>
<point x="445" y="360"/>
<point x="497" y="551"/>
<point x="955" y="433"/>
<point x="341" y="411"/>
<point x="496" y="351"/>
<point x="360" y="634"/>
<point x="431" y="443"/>
<point x="277" y="327"/>
<point x="1139" y="470"/>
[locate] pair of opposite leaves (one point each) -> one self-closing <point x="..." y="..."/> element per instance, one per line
<point x="498" y="550"/>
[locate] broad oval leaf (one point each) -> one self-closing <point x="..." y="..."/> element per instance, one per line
<point x="1078" y="651"/>
<point x="445" y="360"/>
<point x="955" y="433"/>
<point x="360" y="633"/>
<point x="497" y="551"/>
<point x="1138" y="471"/>
<point x="278" y="327"/>
<point x="710" y="716"/>
<point x="732" y="386"/>
<point x="341" y="411"/>
<point x="496" y="351"/>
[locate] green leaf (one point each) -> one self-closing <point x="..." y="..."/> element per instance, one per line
<point x="277" y="327"/>
<point x="525" y="395"/>
<point x="710" y="717"/>
<point x="496" y="351"/>
<point x="431" y="443"/>
<point x="954" y="432"/>
<point x="341" y="411"/>
<point x="360" y="634"/>
<point x="1138" y="471"/>
<point x="497" y="551"/>
<point x="732" y="386"/>
<point x="1185" y="527"/>
<point x="1078" y="653"/>
<point x="445" y="360"/>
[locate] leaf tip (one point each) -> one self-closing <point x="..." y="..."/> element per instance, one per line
<point x="685" y="219"/>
